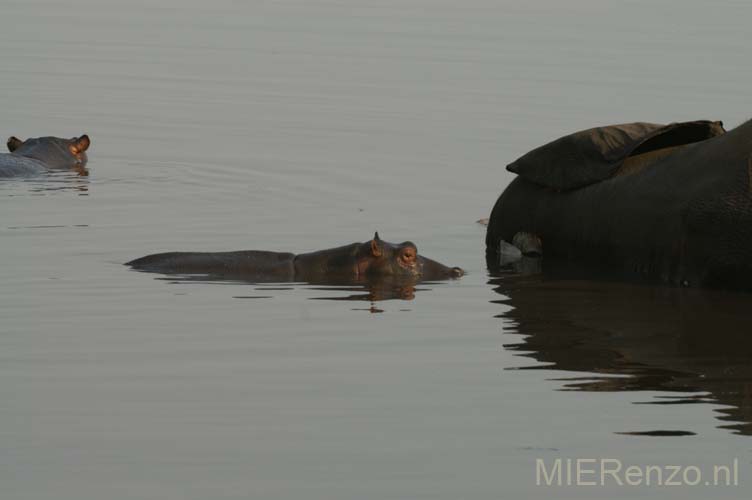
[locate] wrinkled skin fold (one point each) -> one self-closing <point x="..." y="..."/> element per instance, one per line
<point x="681" y="215"/>
<point x="354" y="263"/>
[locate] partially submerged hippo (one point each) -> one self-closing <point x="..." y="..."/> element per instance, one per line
<point x="39" y="155"/>
<point x="670" y="204"/>
<point x="357" y="262"/>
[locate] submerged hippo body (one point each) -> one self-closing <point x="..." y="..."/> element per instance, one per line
<point x="39" y="155"/>
<point x="355" y="262"/>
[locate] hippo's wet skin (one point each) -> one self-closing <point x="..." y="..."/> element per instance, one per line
<point x="39" y="155"/>
<point x="358" y="262"/>
<point x="670" y="206"/>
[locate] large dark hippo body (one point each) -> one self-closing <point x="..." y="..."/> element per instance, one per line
<point x="670" y="204"/>
<point x="39" y="155"/>
<point x="358" y="262"/>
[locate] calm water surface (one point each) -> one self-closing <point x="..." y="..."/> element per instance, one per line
<point x="299" y="125"/>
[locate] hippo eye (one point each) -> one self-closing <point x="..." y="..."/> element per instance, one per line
<point x="408" y="254"/>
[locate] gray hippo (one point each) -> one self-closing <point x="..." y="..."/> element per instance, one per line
<point x="663" y="203"/>
<point x="357" y="262"/>
<point x="39" y="155"/>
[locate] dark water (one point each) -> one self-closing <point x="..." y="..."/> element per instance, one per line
<point x="299" y="125"/>
<point x="692" y="344"/>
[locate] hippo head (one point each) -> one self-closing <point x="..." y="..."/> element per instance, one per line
<point x="54" y="152"/>
<point x="378" y="258"/>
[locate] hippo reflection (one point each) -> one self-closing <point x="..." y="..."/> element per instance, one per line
<point x="38" y="155"/>
<point x="373" y="261"/>
<point x="686" y="341"/>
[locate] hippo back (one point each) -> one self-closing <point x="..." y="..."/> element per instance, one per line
<point x="256" y="264"/>
<point x="14" y="166"/>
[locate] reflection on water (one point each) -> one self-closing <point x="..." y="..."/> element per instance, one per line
<point x="362" y="290"/>
<point x="76" y="180"/>
<point x="53" y="226"/>
<point x="637" y="338"/>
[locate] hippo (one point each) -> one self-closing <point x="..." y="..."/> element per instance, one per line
<point x="668" y="204"/>
<point x="357" y="262"/>
<point x="42" y="154"/>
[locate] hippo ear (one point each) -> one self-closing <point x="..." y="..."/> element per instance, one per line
<point x="376" y="249"/>
<point x="80" y="144"/>
<point x="14" y="143"/>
